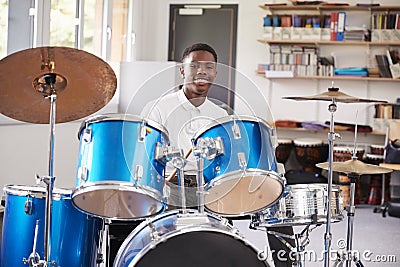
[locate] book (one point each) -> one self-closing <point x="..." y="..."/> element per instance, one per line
<point x="383" y="66"/>
<point x="341" y="21"/>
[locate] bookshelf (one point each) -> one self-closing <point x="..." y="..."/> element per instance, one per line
<point x="322" y="40"/>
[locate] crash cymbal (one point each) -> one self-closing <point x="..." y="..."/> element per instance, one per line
<point x="334" y="94"/>
<point x="354" y="167"/>
<point x="82" y="82"/>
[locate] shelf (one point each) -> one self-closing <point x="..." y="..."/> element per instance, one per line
<point x="335" y="78"/>
<point x="325" y="131"/>
<point x="316" y="42"/>
<point x="327" y="8"/>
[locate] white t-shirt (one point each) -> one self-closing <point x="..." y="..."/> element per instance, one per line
<point x="182" y="120"/>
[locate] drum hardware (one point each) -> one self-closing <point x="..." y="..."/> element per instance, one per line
<point x="301" y="241"/>
<point x="333" y="95"/>
<point x="236" y="130"/>
<point x="53" y="76"/>
<point x="353" y="169"/>
<point x="34" y="257"/>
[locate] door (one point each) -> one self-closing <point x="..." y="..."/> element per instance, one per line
<point x="215" y="25"/>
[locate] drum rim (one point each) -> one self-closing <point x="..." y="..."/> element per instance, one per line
<point x="349" y="149"/>
<point x="209" y="227"/>
<point x="229" y="118"/>
<point x="308" y="142"/>
<point x="129" y="185"/>
<point x="377" y="146"/>
<point x="374" y="156"/>
<point x="253" y="171"/>
<point x="122" y="117"/>
<point x="58" y="193"/>
<point x="296" y="222"/>
<point x="285" y="141"/>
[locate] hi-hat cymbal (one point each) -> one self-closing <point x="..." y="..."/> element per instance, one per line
<point x="82" y="82"/>
<point x="354" y="166"/>
<point x="334" y="94"/>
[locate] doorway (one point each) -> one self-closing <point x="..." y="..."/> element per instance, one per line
<point x="215" y="25"/>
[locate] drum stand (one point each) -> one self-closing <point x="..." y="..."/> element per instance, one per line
<point x="301" y="241"/>
<point x="347" y="255"/>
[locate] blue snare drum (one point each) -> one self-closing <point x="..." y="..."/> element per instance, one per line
<point x="74" y="235"/>
<point x="118" y="176"/>
<point x="189" y="239"/>
<point x="242" y="179"/>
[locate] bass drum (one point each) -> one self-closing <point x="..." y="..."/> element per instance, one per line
<point x="190" y="239"/>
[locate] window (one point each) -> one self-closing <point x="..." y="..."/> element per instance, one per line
<point x="3" y="27"/>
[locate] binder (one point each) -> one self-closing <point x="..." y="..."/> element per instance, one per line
<point x="340" y="25"/>
<point x="334" y="20"/>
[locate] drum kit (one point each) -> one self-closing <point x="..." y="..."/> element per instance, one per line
<point x="120" y="176"/>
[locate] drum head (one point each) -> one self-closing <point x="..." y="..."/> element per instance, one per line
<point x="241" y="193"/>
<point x="199" y="249"/>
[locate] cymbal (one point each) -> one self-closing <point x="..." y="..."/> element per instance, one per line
<point x="334" y="94"/>
<point x="354" y="167"/>
<point x="82" y="83"/>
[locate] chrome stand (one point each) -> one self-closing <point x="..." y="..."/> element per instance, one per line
<point x="200" y="184"/>
<point x="49" y="180"/>
<point x="331" y="138"/>
<point x="301" y="241"/>
<point x="347" y="256"/>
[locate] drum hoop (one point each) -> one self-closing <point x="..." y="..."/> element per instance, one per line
<point x="229" y="118"/>
<point x="123" y="117"/>
<point x="190" y="228"/>
<point x="378" y="146"/>
<point x="374" y="156"/>
<point x="285" y="141"/>
<point x="36" y="191"/>
<point x="312" y="186"/>
<point x="297" y="222"/>
<point x="348" y="149"/>
<point x="111" y="185"/>
<point x="308" y="142"/>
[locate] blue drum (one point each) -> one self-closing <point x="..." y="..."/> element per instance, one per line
<point x="118" y="175"/>
<point x="242" y="178"/>
<point x="174" y="238"/>
<point x="74" y="235"/>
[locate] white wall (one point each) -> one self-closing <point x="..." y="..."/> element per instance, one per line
<point x="24" y="147"/>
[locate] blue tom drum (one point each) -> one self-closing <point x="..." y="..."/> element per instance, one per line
<point x="118" y="176"/>
<point x="243" y="179"/>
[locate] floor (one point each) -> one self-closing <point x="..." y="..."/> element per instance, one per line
<point x="376" y="239"/>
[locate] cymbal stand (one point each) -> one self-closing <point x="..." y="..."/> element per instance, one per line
<point x="331" y="138"/>
<point x="347" y="255"/>
<point x="49" y="93"/>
